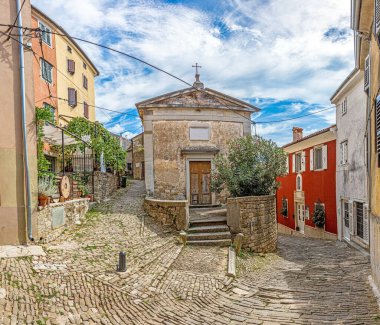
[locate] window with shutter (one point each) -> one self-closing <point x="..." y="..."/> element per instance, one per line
<point x="45" y="33"/>
<point x="72" y="97"/>
<point x="46" y="71"/>
<point x="344" y="152"/>
<point x="318" y="158"/>
<point x="359" y="219"/>
<point x="85" y="110"/>
<point x="311" y="159"/>
<point x="324" y="157"/>
<point x="366" y="73"/>
<point x="85" y="82"/>
<point x="344" y="106"/>
<point x="71" y="66"/>
<point x="377" y="130"/>
<point x="298" y="162"/>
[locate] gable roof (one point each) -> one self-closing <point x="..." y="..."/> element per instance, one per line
<point x="328" y="129"/>
<point x="197" y="98"/>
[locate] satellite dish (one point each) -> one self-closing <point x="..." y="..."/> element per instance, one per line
<point x="65" y="187"/>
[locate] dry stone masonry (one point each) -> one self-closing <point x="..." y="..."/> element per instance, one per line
<point x="104" y="185"/>
<point x="255" y="218"/>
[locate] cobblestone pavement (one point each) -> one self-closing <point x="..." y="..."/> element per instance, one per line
<point x="306" y="282"/>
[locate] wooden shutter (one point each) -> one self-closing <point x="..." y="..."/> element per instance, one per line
<point x="324" y="157"/>
<point x="377" y="130"/>
<point x="287" y="164"/>
<point x="72" y="97"/>
<point x="71" y="66"/>
<point x="366" y="73"/>
<point x="351" y="216"/>
<point x="377" y="17"/>
<point x="311" y="159"/>
<point x="303" y="161"/>
<point x="293" y="163"/>
<point x="85" y="110"/>
<point x="365" y="223"/>
<point x="85" y="82"/>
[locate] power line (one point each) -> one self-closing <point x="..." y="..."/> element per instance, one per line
<point x="14" y="23"/>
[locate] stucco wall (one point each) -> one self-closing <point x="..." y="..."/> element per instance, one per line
<point x="255" y="218"/>
<point x="169" y="137"/>
<point x="351" y="179"/>
<point x="12" y="189"/>
<point x="316" y="185"/>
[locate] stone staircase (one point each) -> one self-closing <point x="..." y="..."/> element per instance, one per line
<point x="208" y="226"/>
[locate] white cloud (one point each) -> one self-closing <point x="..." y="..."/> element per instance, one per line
<point x="269" y="49"/>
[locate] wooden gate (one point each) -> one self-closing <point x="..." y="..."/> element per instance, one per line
<point x="200" y="178"/>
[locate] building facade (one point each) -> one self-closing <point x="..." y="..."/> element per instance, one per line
<point x="183" y="131"/>
<point x="137" y="157"/>
<point x="365" y="21"/>
<point x="309" y="184"/>
<point x="351" y="170"/>
<point x="14" y="228"/>
<point x="63" y="73"/>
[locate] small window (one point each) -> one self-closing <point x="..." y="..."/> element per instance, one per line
<point x="298" y="162"/>
<point x="68" y="49"/>
<point x="299" y="183"/>
<point x="52" y="110"/>
<point x="318" y="158"/>
<point x="85" y="82"/>
<point x="359" y="211"/>
<point x="71" y="66"/>
<point x="46" y="71"/>
<point x="284" y="207"/>
<point x="85" y="110"/>
<point x="344" y="152"/>
<point x="344" y="106"/>
<point x="84" y="66"/>
<point x="45" y="33"/>
<point x="199" y="133"/>
<point x="72" y="97"/>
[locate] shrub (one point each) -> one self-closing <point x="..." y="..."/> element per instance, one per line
<point x="319" y="216"/>
<point x="249" y="168"/>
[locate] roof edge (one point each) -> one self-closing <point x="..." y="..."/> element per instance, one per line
<point x="328" y="129"/>
<point x="350" y="77"/>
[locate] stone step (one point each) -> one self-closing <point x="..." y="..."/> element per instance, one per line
<point x="213" y="242"/>
<point x="210" y="221"/>
<point x="213" y="228"/>
<point x="209" y="236"/>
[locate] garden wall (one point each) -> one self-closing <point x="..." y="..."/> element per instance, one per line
<point x="104" y="185"/>
<point x="255" y="218"/>
<point x="53" y="219"/>
<point x="169" y="212"/>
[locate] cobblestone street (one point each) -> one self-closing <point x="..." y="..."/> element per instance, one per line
<point x="306" y="282"/>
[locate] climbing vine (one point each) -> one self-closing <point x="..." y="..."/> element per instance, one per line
<point x="101" y="141"/>
<point x="42" y="114"/>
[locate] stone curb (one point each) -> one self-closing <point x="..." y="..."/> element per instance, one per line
<point x="231" y="269"/>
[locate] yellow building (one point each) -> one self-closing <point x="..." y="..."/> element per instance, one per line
<point x="75" y="75"/>
<point x="366" y="25"/>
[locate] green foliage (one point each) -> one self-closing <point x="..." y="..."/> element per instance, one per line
<point x="101" y="141"/>
<point x="47" y="186"/>
<point x="319" y="216"/>
<point x="250" y="167"/>
<point x="42" y="114"/>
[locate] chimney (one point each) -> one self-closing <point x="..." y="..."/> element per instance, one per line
<point x="297" y="133"/>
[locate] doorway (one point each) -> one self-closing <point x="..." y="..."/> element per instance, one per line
<point x="200" y="182"/>
<point x="300" y="217"/>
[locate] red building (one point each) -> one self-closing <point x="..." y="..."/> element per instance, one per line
<point x="309" y="184"/>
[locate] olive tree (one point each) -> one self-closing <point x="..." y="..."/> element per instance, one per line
<point x="249" y="168"/>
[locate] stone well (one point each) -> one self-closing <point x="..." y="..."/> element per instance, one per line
<point x="255" y="218"/>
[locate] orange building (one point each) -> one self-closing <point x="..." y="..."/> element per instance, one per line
<point x="44" y="64"/>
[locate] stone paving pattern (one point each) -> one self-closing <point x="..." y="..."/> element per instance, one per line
<point x="306" y="282"/>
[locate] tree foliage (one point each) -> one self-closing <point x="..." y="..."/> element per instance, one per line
<point x="250" y="167"/>
<point x="319" y="217"/>
<point x="101" y="140"/>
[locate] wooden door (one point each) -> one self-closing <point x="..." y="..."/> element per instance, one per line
<point x="200" y="178"/>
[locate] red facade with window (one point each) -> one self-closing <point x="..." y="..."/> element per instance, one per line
<point x="317" y="185"/>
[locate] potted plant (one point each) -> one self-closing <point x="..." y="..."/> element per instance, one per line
<point x="46" y="188"/>
<point x="319" y="216"/>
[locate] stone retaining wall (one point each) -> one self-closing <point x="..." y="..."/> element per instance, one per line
<point x="104" y="185"/>
<point x="255" y="218"/>
<point x="169" y="212"/>
<point x="53" y="219"/>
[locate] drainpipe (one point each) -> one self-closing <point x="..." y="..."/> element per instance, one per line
<point x="24" y="132"/>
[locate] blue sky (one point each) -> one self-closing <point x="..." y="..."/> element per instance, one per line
<point x="286" y="57"/>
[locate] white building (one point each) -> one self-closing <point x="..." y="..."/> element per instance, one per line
<point x="351" y="169"/>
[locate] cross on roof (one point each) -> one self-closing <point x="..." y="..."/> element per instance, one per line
<point x="196" y="66"/>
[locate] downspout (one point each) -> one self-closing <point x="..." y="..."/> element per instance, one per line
<point x="24" y="132"/>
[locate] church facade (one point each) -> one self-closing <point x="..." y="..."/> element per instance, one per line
<point x="183" y="132"/>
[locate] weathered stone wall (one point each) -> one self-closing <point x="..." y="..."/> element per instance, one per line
<point x="170" y="213"/>
<point x="53" y="219"/>
<point x="138" y="156"/>
<point x="104" y="185"/>
<point x="255" y="218"/>
<point x="170" y="164"/>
